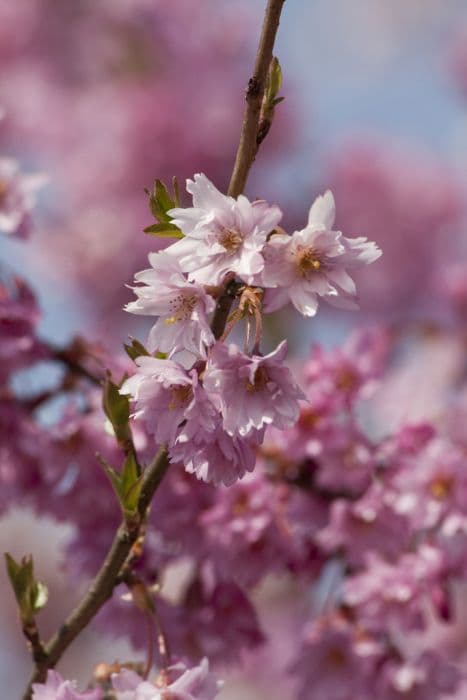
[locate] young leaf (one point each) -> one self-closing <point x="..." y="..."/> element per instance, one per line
<point x="130" y="486"/>
<point x="126" y="484"/>
<point x="117" y="410"/>
<point x="163" y="201"/>
<point x="164" y="230"/>
<point x="135" y="349"/>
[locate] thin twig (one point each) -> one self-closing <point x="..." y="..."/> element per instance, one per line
<point x="72" y="357"/>
<point x="248" y="146"/>
<point x="151" y="633"/>
<point x="102" y="587"/>
<point x="31" y="633"/>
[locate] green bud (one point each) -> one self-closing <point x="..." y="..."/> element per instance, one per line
<point x="31" y="594"/>
<point x="274" y="82"/>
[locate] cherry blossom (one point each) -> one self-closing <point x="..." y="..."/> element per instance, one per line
<point x="215" y="457"/>
<point x="222" y="234"/>
<point x="314" y="262"/>
<point x="252" y="392"/>
<point x="162" y="391"/>
<point x="196" y="683"/>
<point x="55" y="688"/>
<point x="182" y="307"/>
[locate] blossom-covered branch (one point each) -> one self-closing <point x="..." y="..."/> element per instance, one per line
<point x="103" y="585"/>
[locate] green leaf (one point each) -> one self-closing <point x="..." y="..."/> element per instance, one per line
<point x="135" y="349"/>
<point x="31" y="595"/>
<point x="164" y="230"/>
<point x="130" y="486"/>
<point x="164" y="200"/>
<point x="161" y="201"/>
<point x="126" y="484"/>
<point x="114" y="477"/>
<point x="117" y="409"/>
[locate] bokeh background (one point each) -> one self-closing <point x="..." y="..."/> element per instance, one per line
<point x="106" y="95"/>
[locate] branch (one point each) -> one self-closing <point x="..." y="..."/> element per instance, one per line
<point x="248" y="146"/>
<point x="36" y="647"/>
<point x="102" y="587"/>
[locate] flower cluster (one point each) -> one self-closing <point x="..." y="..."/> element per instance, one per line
<point x="196" y="683"/>
<point x="213" y="416"/>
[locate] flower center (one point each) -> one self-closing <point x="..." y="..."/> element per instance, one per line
<point x="181" y="308"/>
<point x="441" y="488"/>
<point x="336" y="657"/>
<point x="3" y="191"/>
<point x="180" y="394"/>
<point x="308" y="260"/>
<point x="308" y="419"/>
<point x="241" y="504"/>
<point x="260" y="381"/>
<point x="230" y="239"/>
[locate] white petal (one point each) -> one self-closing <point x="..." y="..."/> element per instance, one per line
<point x="342" y="279"/>
<point x="304" y="301"/>
<point x="323" y="211"/>
<point x="205" y="194"/>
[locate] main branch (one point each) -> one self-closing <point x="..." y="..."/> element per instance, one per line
<point x="103" y="585"/>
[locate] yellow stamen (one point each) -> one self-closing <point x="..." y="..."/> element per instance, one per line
<point x="260" y="381"/>
<point x="230" y="239"/>
<point x="441" y="488"/>
<point x="307" y="259"/>
<point x="180" y="396"/>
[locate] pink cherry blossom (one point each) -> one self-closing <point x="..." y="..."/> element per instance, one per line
<point x="196" y="683"/>
<point x="19" y="315"/>
<point x="183" y="307"/>
<point x="216" y="457"/>
<point x="55" y="688"/>
<point x="349" y="372"/>
<point x="222" y="234"/>
<point x="162" y="391"/>
<point x="17" y="197"/>
<point x="428" y="677"/>
<point x="335" y="662"/>
<point x="252" y="392"/>
<point x="432" y="484"/>
<point x="245" y="532"/>
<point x="314" y="262"/>
<point x="368" y="524"/>
<point x="395" y="593"/>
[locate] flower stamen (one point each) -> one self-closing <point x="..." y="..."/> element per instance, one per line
<point x="230" y="239"/>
